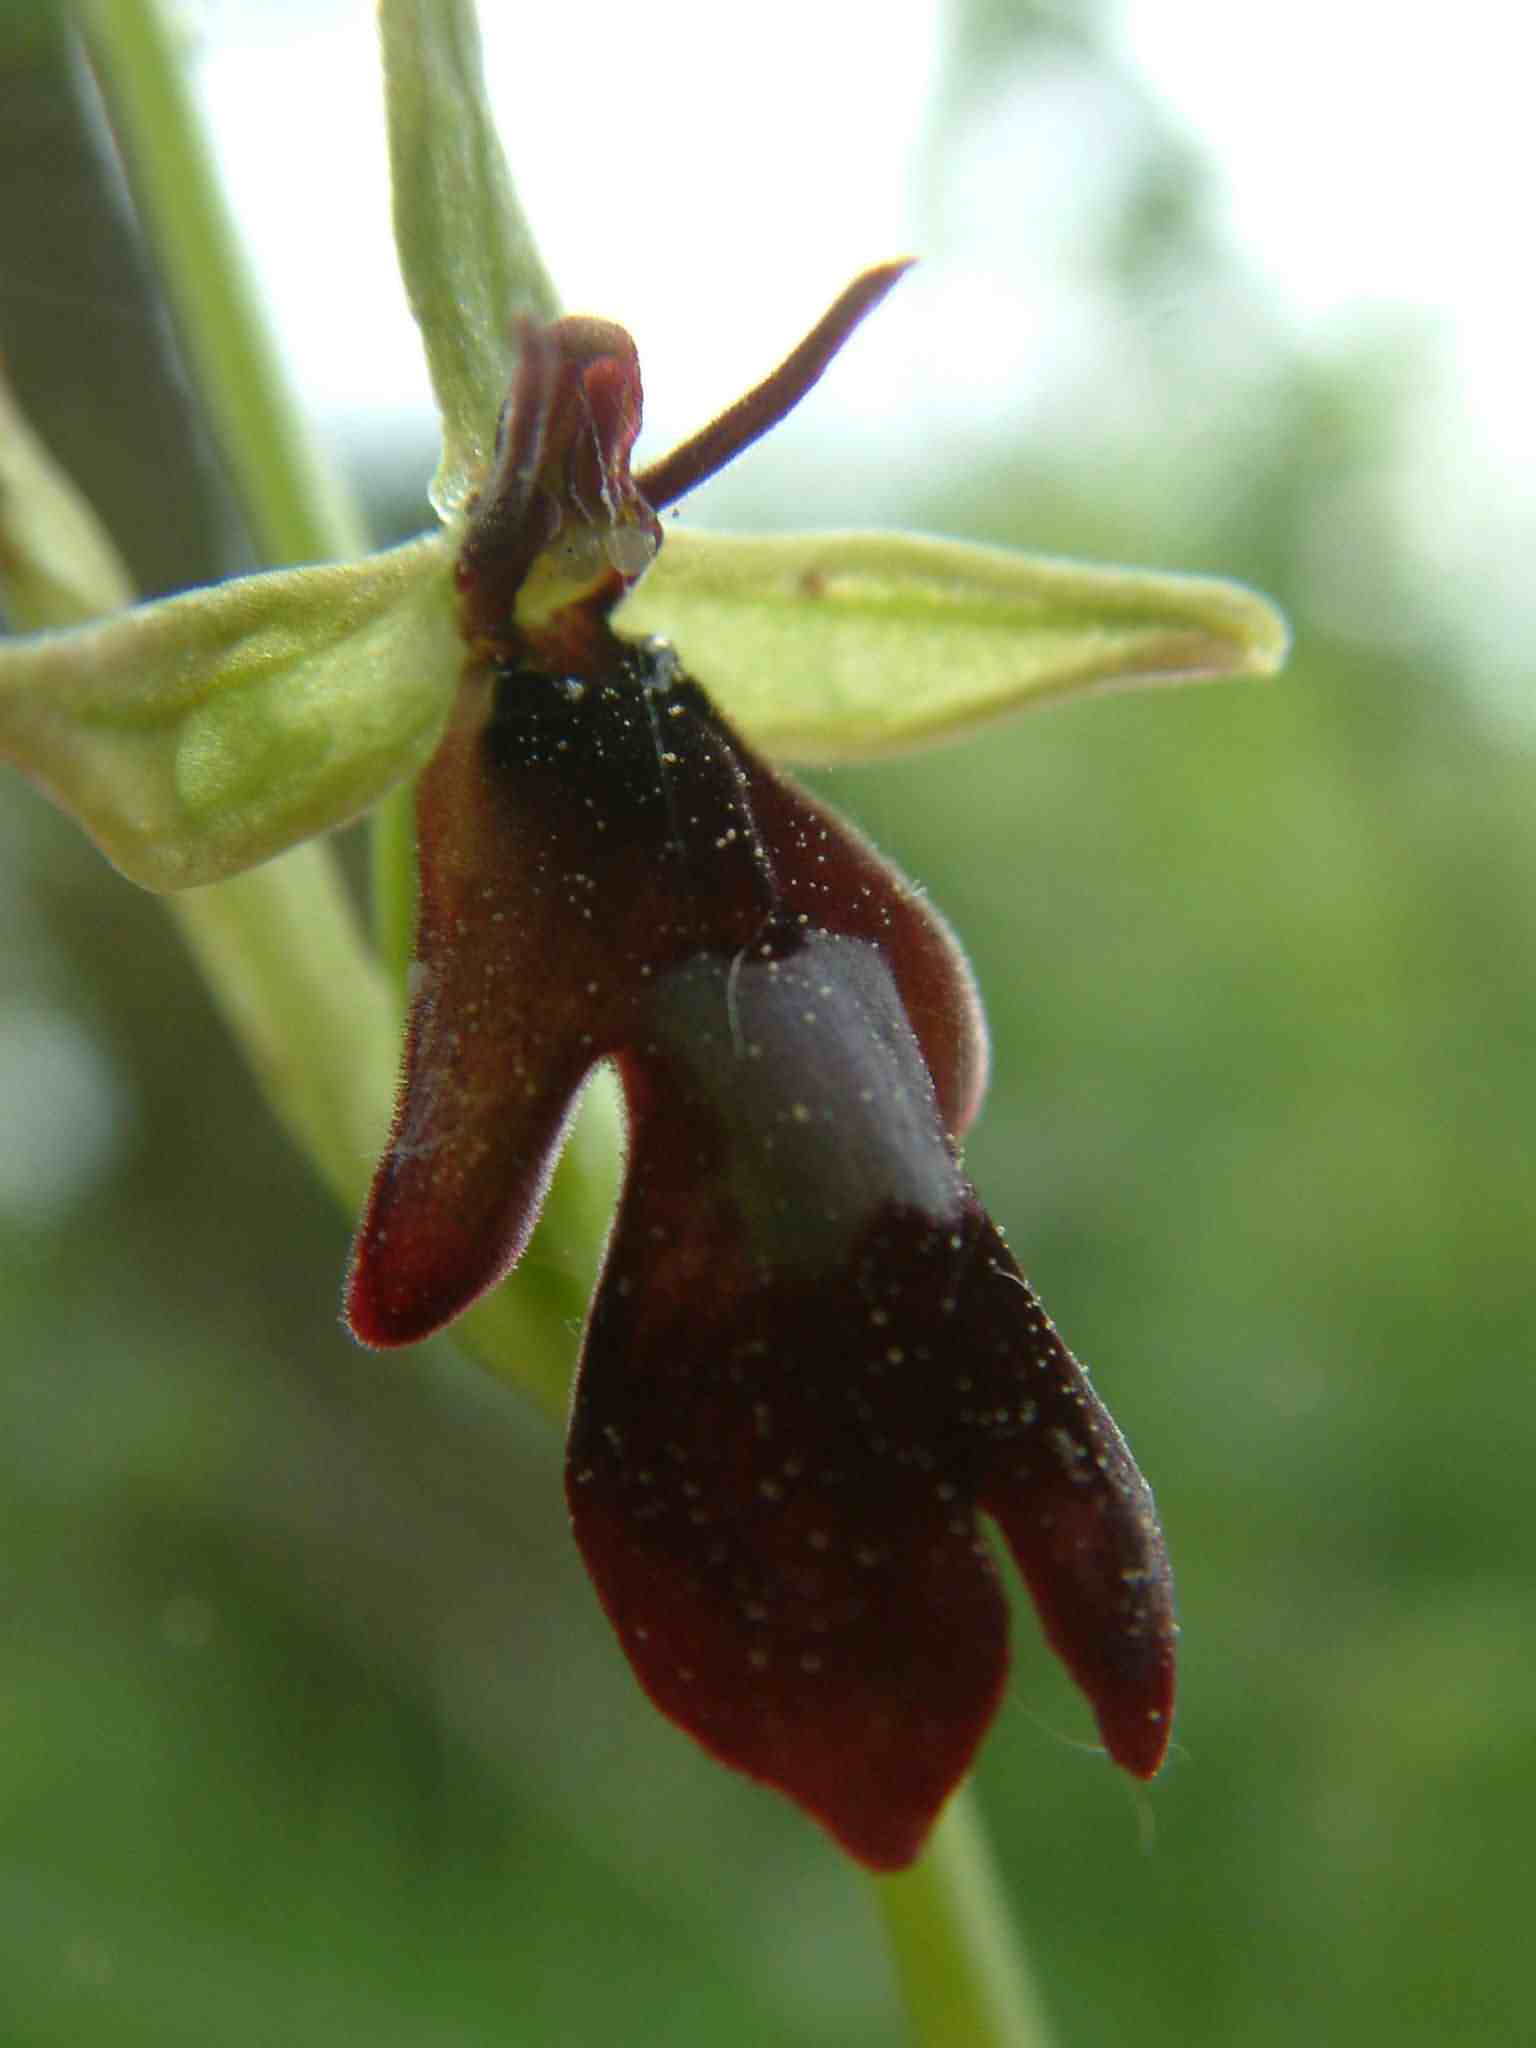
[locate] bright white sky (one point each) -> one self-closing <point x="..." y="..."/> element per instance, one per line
<point x="712" y="189"/>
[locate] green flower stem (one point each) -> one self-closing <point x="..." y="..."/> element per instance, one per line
<point x="298" y="510"/>
<point x="285" y="957"/>
<point x="282" y="949"/>
<point x="958" y="1962"/>
<point x="297" y="507"/>
<point x="281" y="946"/>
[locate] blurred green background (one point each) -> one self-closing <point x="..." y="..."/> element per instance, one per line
<point x="309" y="1729"/>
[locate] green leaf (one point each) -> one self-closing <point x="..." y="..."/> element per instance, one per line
<point x="198" y="736"/>
<point x="469" y="262"/>
<point x="56" y="562"/>
<point x="837" y="646"/>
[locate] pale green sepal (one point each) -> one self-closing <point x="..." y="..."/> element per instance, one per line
<point x="469" y="262"/>
<point x="838" y="646"/>
<point x="56" y="562"/>
<point x="198" y="736"/>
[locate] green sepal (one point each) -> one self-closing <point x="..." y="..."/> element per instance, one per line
<point x="198" y="736"/>
<point x="469" y="261"/>
<point x="838" y="646"/>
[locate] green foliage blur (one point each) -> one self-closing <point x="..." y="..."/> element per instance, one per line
<point x="310" y="1731"/>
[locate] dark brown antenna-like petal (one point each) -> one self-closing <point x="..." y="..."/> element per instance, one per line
<point x="709" y="450"/>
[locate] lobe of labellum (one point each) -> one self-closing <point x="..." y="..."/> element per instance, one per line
<point x="811" y="1359"/>
<point x="492" y="1069"/>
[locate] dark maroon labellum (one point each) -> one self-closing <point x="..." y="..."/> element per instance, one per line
<point x="811" y="1359"/>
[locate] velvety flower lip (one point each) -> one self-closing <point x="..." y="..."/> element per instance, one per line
<point x="811" y="1359"/>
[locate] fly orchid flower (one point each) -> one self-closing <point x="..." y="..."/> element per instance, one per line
<point x="811" y="1361"/>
